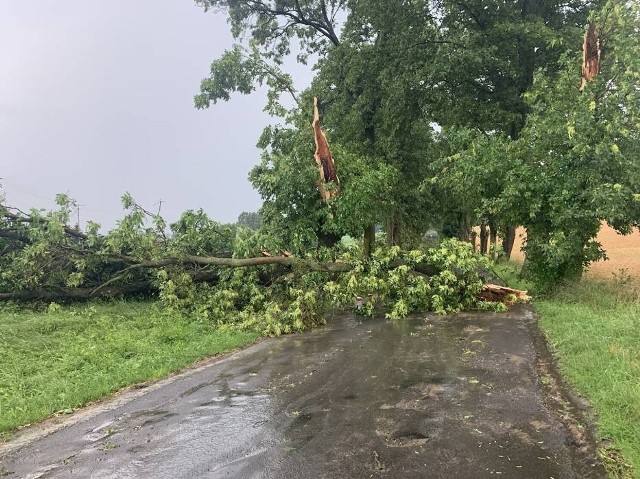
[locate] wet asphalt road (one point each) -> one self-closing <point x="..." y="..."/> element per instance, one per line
<point x="426" y="397"/>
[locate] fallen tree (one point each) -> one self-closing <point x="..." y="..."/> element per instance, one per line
<point x="225" y="274"/>
<point x="189" y="266"/>
<point x="79" y="293"/>
<point x="194" y="266"/>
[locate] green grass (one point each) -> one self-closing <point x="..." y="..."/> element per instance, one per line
<point x="60" y="360"/>
<point x="509" y="272"/>
<point x="595" y="329"/>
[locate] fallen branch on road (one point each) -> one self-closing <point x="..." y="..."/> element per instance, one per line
<point x="502" y="294"/>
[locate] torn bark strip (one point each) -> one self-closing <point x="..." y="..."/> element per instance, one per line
<point x="590" y="55"/>
<point x="324" y="159"/>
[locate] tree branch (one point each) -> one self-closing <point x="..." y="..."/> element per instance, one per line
<point x="335" y="267"/>
<point x="324" y="28"/>
<point x="28" y="219"/>
<point x="75" y="293"/>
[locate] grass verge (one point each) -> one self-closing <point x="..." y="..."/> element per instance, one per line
<point x="57" y="361"/>
<point x="594" y="328"/>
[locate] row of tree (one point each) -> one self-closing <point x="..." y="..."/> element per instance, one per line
<point x="449" y="113"/>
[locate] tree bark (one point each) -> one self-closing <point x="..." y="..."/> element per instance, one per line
<point x="244" y="262"/>
<point x="508" y="241"/>
<point x="393" y="231"/>
<point x="369" y="240"/>
<point x="484" y="236"/>
<point x="464" y="228"/>
<point x="493" y="239"/>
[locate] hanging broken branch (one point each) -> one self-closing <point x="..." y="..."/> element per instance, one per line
<point x="324" y="159"/>
<point x="590" y="55"/>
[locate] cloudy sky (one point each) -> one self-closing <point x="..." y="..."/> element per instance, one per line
<point x="96" y="99"/>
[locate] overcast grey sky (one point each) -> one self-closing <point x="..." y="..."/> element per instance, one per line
<point x="96" y="98"/>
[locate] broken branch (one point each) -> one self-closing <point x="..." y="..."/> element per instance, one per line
<point x="590" y="55"/>
<point x="324" y="159"/>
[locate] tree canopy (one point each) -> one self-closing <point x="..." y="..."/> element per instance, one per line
<point x="437" y="113"/>
<point x="446" y="114"/>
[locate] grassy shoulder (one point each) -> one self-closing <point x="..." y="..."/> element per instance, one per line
<point x="594" y="328"/>
<point x="60" y="360"/>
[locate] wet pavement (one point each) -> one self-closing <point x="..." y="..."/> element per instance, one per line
<point x="461" y="396"/>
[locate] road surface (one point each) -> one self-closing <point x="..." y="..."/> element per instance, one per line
<point x="461" y="396"/>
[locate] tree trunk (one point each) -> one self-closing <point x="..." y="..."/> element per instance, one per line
<point x="464" y="228"/>
<point x="484" y="237"/>
<point x="393" y="231"/>
<point x="369" y="240"/>
<point x="508" y="241"/>
<point x="493" y="239"/>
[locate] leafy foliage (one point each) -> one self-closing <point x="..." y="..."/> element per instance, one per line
<point x="391" y="283"/>
<point x="41" y="252"/>
<point x="270" y="299"/>
<point x="575" y="164"/>
<point x="395" y="75"/>
<point x="291" y="301"/>
<point x="433" y="110"/>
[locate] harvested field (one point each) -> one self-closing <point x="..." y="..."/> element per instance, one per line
<point x="623" y="253"/>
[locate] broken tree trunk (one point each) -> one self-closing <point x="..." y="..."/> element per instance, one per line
<point x="590" y="55"/>
<point x="502" y="294"/>
<point x="324" y="159"/>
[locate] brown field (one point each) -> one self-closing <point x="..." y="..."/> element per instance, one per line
<point x="623" y="253"/>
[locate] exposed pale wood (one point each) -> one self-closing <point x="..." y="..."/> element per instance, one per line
<point x="324" y="159"/>
<point x="590" y="55"/>
<point x="494" y="292"/>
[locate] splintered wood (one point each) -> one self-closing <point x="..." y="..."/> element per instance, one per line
<point x="590" y="55"/>
<point x="493" y="292"/>
<point x="324" y="159"/>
